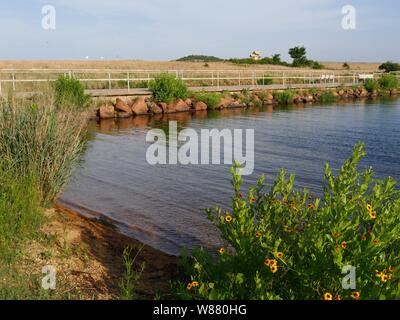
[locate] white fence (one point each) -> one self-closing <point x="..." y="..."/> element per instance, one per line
<point x="25" y="79"/>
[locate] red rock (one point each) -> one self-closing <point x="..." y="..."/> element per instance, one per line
<point x="200" y="106"/>
<point x="139" y="106"/>
<point x="225" y="103"/>
<point x="154" y="108"/>
<point x="164" y="107"/>
<point x="107" y="112"/>
<point x="181" y="106"/>
<point x="189" y="102"/>
<point x="122" y="106"/>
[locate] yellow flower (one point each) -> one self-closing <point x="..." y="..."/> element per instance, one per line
<point x="258" y="234"/>
<point x="369" y="208"/>
<point x="384" y="278"/>
<point x="195" y="284"/>
<point x="189" y="286"/>
<point x="228" y="218"/>
<point x="328" y="296"/>
<point x="391" y="269"/>
<point x="311" y="206"/>
<point x="252" y="200"/>
<point x="338" y="297"/>
<point x="270" y="262"/>
<point x="274" y="268"/>
<point x="356" y="295"/>
<point x="344" y="244"/>
<point x="221" y="251"/>
<point x="379" y="274"/>
<point x="279" y="255"/>
<point x="373" y="215"/>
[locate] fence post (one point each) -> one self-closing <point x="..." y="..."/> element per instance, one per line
<point x="13" y="80"/>
<point x="1" y="92"/>
<point x="129" y="82"/>
<point x="284" y="79"/>
<point x="218" y="79"/>
<point x="148" y="80"/>
<point x="254" y="79"/>
<point x="240" y="79"/>
<point x="109" y="80"/>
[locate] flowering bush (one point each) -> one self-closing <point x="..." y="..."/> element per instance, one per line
<point x="287" y="245"/>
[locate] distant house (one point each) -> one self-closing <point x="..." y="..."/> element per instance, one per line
<point x="256" y="55"/>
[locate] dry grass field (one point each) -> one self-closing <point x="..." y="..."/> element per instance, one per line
<point x="162" y="65"/>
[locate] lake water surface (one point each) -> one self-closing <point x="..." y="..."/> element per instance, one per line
<point x="163" y="206"/>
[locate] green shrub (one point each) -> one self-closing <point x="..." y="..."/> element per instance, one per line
<point x="284" y="97"/>
<point x="327" y="97"/>
<point x="166" y="88"/>
<point x="388" y="82"/>
<point x="70" y="93"/>
<point x="286" y="245"/>
<point x="212" y="100"/>
<point x="265" y="81"/>
<point x="20" y="213"/>
<point x="44" y="140"/>
<point x="371" y="85"/>
<point x="389" y="66"/>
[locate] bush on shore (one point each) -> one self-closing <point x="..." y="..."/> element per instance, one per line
<point x="166" y="88"/>
<point x="42" y="140"/>
<point x="283" y="244"/>
<point x="284" y="97"/>
<point x="70" y="93"/>
<point x="388" y="82"/>
<point x="212" y="100"/>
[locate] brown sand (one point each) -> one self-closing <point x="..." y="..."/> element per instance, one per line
<point x="87" y="255"/>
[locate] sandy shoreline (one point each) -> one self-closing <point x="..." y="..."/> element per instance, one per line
<point x="87" y="255"/>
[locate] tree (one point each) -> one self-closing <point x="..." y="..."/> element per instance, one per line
<point x="389" y="66"/>
<point x="298" y="55"/>
<point x="346" y="66"/>
<point x="276" y="59"/>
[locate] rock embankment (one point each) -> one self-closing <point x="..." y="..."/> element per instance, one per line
<point x="146" y="106"/>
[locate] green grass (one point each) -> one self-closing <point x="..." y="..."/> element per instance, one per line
<point x="388" y="82"/>
<point x="44" y="140"/>
<point x="212" y="100"/>
<point x="167" y="88"/>
<point x="284" y="97"/>
<point x="70" y="93"/>
<point x="39" y="147"/>
<point x="327" y="97"/>
<point x="130" y="277"/>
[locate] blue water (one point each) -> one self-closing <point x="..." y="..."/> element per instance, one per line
<point x="163" y="205"/>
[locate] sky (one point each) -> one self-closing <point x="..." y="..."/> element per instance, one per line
<point x="169" y="29"/>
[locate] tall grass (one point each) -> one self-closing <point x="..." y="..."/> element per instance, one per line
<point x="39" y="146"/>
<point x="167" y="88"/>
<point x="20" y="214"/>
<point x="42" y="140"/>
<point x="69" y="92"/>
<point x="212" y="100"/>
<point x="284" y="97"/>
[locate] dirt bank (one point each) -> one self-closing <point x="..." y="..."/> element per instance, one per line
<point x="87" y="255"/>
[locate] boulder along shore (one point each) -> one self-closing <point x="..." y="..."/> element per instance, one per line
<point x="122" y="108"/>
